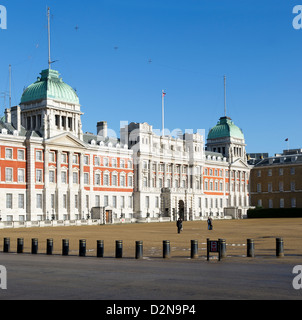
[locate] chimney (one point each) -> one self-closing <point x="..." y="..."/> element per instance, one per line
<point x="16" y="117"/>
<point x="102" y="129"/>
<point x="8" y="117"/>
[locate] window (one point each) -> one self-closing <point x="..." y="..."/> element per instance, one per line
<point x="21" y="176"/>
<point x="106" y="162"/>
<point x="130" y="202"/>
<point x="114" y="180"/>
<point x="21" y="155"/>
<point x="206" y="185"/>
<point x="292" y="171"/>
<point x="21" y="201"/>
<point x="64" y="177"/>
<point x="9" y="201"/>
<point x="106" y="201"/>
<point x="86" y="160"/>
<point x="64" y="201"/>
<point x="75" y="159"/>
<point x="97" y="179"/>
<point x="8" y="154"/>
<point x="129" y="164"/>
<point x="130" y="181"/>
<point x="122" y="182"/>
<point x="52" y="201"/>
<point x="97" y="201"/>
<point x="281" y="203"/>
<point x="160" y="181"/>
<point x="122" y="163"/>
<point x="9" y="175"/>
<point x="87" y="201"/>
<point x="97" y="161"/>
<point x="51" y="157"/>
<point x="269" y="188"/>
<point x="147" y="202"/>
<point x="258" y="187"/>
<point x="64" y="158"/>
<point x="75" y="177"/>
<point x="86" y="178"/>
<point x="269" y="172"/>
<point x="114" y="163"/>
<point x="270" y="203"/>
<point x="259" y="203"/>
<point x="280" y="171"/>
<point x="38" y="155"/>
<point x="39" y="201"/>
<point x="292" y="186"/>
<point x="52" y="176"/>
<point x="156" y="202"/>
<point x="293" y="202"/>
<point x="39" y="176"/>
<point x="145" y="182"/>
<point x="280" y="186"/>
<point x="122" y="202"/>
<point x="106" y="179"/>
<point x="76" y="201"/>
<point x="114" y="204"/>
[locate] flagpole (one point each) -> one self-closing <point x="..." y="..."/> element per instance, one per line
<point x="48" y="20"/>
<point x="163" y="113"/>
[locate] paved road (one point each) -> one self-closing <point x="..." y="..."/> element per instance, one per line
<point x="42" y="277"/>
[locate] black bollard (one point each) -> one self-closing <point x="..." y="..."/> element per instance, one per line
<point x="49" y="247"/>
<point x="82" y="248"/>
<point x="250" y="248"/>
<point x="6" y="245"/>
<point x="34" y="246"/>
<point x="20" y="245"/>
<point x="65" y="247"/>
<point x="166" y="249"/>
<point x="138" y="249"/>
<point x="119" y="249"/>
<point x="100" y="248"/>
<point x="194" y="249"/>
<point x="222" y="248"/>
<point x="279" y="248"/>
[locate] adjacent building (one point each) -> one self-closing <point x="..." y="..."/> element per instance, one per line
<point x="276" y="182"/>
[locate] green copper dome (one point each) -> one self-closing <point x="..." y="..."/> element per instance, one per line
<point x="50" y="86"/>
<point x="225" y="128"/>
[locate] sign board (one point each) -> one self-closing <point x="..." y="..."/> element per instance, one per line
<point x="213" y="246"/>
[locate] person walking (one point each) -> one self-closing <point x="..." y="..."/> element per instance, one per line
<point x="179" y="225"/>
<point x="210" y="224"/>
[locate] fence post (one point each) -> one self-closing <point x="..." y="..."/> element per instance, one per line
<point x="82" y="248"/>
<point x="138" y="249"/>
<point x="250" y="248"/>
<point x="34" y="246"/>
<point x="194" y="249"/>
<point x="222" y="248"/>
<point x="6" y="245"/>
<point x="166" y="249"/>
<point x="100" y="248"/>
<point x="65" y="247"/>
<point x="20" y="245"/>
<point x="279" y="248"/>
<point x="119" y="249"/>
<point x="49" y="247"/>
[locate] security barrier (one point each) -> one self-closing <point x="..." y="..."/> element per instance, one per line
<point x="217" y="246"/>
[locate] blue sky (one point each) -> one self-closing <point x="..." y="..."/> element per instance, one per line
<point x="124" y="53"/>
